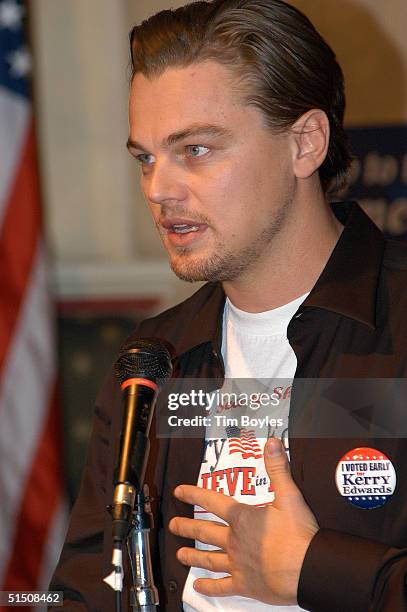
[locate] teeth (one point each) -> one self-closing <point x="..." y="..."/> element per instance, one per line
<point x="184" y="229"/>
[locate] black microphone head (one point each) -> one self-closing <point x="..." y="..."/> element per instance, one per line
<point x="144" y="358"/>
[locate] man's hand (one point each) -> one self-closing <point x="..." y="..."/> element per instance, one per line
<point x="261" y="548"/>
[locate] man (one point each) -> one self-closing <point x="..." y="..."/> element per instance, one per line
<point x="236" y="111"/>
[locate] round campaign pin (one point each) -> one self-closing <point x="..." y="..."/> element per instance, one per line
<point x="366" y="477"/>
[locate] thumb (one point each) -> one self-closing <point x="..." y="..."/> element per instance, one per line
<point x="278" y="469"/>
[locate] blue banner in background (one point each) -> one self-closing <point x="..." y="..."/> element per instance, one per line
<point x="379" y="176"/>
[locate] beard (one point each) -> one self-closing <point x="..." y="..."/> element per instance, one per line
<point x="228" y="264"/>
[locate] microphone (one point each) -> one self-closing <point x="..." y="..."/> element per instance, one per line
<point x="142" y="367"/>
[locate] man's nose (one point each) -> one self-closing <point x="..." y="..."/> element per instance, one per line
<point x="164" y="184"/>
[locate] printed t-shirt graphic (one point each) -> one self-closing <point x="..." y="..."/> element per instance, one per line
<point x="254" y="346"/>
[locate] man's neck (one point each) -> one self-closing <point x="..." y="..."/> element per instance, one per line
<point x="293" y="262"/>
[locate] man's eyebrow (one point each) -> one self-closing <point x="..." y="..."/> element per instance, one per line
<point x="196" y="130"/>
<point x="216" y="131"/>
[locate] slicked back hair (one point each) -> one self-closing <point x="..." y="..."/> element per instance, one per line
<point x="282" y="64"/>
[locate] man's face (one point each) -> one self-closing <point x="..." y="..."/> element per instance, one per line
<point x="218" y="183"/>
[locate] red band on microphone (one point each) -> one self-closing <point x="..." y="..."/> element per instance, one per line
<point x="139" y="381"/>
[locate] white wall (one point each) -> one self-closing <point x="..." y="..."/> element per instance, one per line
<point x="81" y="56"/>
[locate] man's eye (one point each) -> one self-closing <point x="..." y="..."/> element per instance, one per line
<point x="145" y="159"/>
<point x="197" y="150"/>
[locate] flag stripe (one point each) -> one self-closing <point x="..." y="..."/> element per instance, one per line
<point x="248" y="455"/>
<point x="28" y="373"/>
<point x="42" y="492"/>
<point x="13" y="133"/>
<point x="18" y="241"/>
<point x="244" y="449"/>
<point x="52" y="550"/>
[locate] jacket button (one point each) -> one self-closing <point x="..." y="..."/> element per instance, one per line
<point x="173" y="586"/>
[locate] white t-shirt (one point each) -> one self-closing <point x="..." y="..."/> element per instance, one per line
<point x="254" y="346"/>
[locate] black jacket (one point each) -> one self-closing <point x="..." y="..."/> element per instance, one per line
<point x="352" y="325"/>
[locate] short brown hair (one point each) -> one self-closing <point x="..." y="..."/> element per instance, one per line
<point x="285" y="66"/>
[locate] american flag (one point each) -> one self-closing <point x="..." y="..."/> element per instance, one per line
<point x="243" y="441"/>
<point x="32" y="510"/>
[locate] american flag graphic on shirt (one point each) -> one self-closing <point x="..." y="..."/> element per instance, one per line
<point x="243" y="441"/>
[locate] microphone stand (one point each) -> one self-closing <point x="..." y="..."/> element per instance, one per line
<point x="143" y="593"/>
<point x="143" y="365"/>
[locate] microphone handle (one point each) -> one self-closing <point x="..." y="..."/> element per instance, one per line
<point x="134" y="444"/>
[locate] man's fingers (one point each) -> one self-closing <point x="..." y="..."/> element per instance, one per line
<point x="207" y="532"/>
<point x="220" y="587"/>
<point x="213" y="560"/>
<point x="217" y="503"/>
<point x="278" y="469"/>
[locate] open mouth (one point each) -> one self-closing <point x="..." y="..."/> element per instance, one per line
<point x="182" y="232"/>
<point x="184" y="228"/>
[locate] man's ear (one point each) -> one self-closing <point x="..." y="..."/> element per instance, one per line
<point x="310" y="134"/>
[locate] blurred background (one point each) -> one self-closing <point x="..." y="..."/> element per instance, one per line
<point x="66" y="308"/>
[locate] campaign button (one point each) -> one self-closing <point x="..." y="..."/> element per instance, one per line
<point x="366" y="477"/>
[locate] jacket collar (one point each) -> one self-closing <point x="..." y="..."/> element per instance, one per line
<point x="348" y="285"/>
